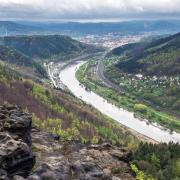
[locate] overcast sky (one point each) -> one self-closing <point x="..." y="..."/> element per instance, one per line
<point x="89" y="9"/>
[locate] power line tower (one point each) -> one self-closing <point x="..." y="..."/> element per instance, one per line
<point x="4" y="34"/>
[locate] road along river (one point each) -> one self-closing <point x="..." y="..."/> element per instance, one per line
<point x="124" y="117"/>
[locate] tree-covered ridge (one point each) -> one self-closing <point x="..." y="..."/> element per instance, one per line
<point x="46" y="46"/>
<point x="13" y="57"/>
<point x="159" y="57"/>
<point x="33" y="51"/>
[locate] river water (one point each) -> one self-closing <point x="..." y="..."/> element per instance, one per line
<point x="124" y="117"/>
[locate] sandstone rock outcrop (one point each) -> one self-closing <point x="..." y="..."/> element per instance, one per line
<point x="62" y="160"/>
<point x="16" y="157"/>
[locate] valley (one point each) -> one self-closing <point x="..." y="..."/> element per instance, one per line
<point x="124" y="117"/>
<point x="105" y="107"/>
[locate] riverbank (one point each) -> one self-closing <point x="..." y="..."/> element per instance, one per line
<point x="150" y="130"/>
<point x="89" y="75"/>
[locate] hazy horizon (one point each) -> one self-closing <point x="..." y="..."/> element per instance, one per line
<point x="83" y="21"/>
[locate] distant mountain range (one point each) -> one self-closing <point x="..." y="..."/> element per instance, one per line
<point x="13" y="28"/>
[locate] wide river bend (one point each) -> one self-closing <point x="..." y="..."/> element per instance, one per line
<point x="124" y="117"/>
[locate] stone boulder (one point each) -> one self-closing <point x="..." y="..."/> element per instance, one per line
<point x="16" y="156"/>
<point x="16" y="122"/>
<point x="47" y="172"/>
<point x="101" y="162"/>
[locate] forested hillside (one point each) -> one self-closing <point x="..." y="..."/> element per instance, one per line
<point x="159" y="57"/>
<point x="13" y="57"/>
<point x="46" y="46"/>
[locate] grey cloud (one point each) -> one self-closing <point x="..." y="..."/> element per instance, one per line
<point x="88" y="9"/>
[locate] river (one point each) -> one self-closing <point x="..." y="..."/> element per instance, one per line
<point x="124" y="117"/>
